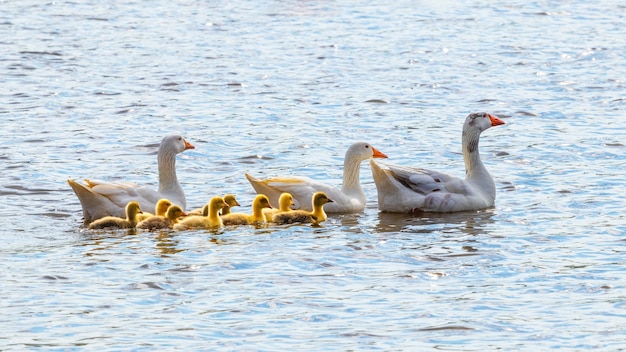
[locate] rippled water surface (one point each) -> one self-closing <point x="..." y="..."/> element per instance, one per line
<point x="284" y="87"/>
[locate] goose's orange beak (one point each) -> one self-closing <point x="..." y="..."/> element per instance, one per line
<point x="495" y="121"/>
<point x="188" y="145"/>
<point x="378" y="153"/>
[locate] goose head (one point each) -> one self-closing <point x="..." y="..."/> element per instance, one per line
<point x="362" y="151"/>
<point x="320" y="198"/>
<point x="174" y="144"/>
<point x="480" y="121"/>
<point x="474" y="124"/>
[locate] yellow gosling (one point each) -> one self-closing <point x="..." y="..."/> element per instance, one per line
<point x="158" y="222"/>
<point x="260" y="202"/>
<point x="285" y="202"/>
<point x="113" y="222"/>
<point x="211" y="221"/>
<point x="159" y="210"/>
<point x="316" y="216"/>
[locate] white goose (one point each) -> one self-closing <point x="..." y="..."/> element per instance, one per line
<point x="404" y="189"/>
<point x="349" y="199"/>
<point x="101" y="198"/>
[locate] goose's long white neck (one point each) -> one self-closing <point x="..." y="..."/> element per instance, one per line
<point x="351" y="177"/>
<point x="168" y="181"/>
<point x="475" y="171"/>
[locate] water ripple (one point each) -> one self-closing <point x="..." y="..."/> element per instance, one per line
<point x="284" y="87"/>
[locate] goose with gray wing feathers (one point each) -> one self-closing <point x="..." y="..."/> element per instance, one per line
<point x="404" y="189"/>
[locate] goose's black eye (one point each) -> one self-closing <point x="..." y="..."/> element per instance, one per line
<point x="367" y="146"/>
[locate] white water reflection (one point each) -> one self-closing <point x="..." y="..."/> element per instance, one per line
<point x="284" y="87"/>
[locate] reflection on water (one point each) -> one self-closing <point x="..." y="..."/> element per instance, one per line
<point x="166" y="243"/>
<point x="272" y="88"/>
<point x="103" y="241"/>
<point x="470" y="223"/>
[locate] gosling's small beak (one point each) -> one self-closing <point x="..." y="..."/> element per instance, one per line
<point x="332" y="201"/>
<point x="183" y="214"/>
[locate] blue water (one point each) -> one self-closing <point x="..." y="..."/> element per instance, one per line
<point x="284" y="87"/>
